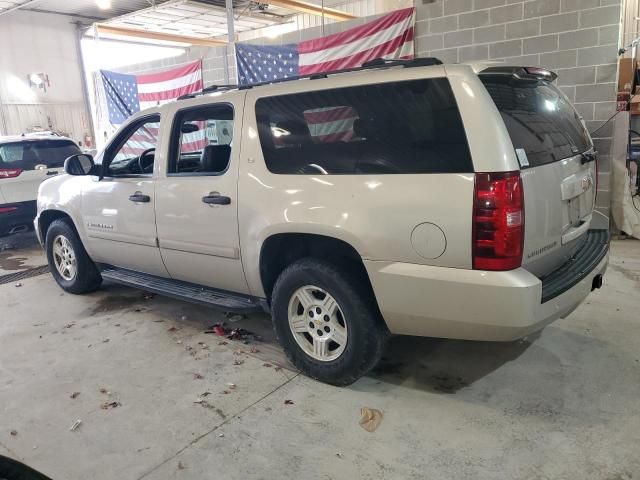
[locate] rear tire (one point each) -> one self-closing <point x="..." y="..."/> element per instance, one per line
<point x="69" y="262"/>
<point x="327" y="322"/>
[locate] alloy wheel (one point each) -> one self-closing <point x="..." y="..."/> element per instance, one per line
<point x="317" y="323"/>
<point x="64" y="257"/>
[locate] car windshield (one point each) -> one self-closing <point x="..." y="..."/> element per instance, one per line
<point x="540" y="120"/>
<point x="27" y="154"/>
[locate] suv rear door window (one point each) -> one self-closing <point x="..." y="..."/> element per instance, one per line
<point x="390" y="128"/>
<point x="539" y="118"/>
<point x="26" y="155"/>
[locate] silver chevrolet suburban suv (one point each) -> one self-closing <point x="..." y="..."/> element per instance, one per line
<point x="409" y="197"/>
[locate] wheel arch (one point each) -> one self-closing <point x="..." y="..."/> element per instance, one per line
<point x="282" y="249"/>
<point x="47" y="217"/>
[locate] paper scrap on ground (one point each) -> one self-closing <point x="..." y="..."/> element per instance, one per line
<point x="370" y="418"/>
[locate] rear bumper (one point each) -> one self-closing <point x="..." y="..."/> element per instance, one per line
<point x="472" y="304"/>
<point x="19" y="215"/>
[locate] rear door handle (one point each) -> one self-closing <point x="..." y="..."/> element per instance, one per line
<point x="138" y="197"/>
<point x="216" y="199"/>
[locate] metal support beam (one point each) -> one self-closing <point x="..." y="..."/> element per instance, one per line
<point x="231" y="36"/>
<point x="83" y="78"/>
<point x="104" y="29"/>
<point x="310" y="8"/>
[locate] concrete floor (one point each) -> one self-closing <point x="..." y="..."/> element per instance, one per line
<point x="562" y="404"/>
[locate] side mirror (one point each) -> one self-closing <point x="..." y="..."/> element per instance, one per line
<point x="79" y="164"/>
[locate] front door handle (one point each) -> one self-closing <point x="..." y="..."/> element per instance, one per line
<point x="138" y="197"/>
<point x="215" y="198"/>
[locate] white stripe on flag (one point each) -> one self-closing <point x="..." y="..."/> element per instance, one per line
<point x="406" y="49"/>
<point x="154" y="103"/>
<point x="358" y="45"/>
<point x="326" y="128"/>
<point x="172" y="84"/>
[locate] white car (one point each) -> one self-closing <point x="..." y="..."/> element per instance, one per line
<point x="407" y="198"/>
<point x="25" y="161"/>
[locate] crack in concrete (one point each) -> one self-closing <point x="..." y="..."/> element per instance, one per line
<point x="216" y="427"/>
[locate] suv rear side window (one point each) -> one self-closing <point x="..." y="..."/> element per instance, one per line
<point x="390" y="128"/>
<point x="26" y="155"/>
<point x="539" y="118"/>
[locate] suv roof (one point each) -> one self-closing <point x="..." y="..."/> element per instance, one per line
<point x="33" y="138"/>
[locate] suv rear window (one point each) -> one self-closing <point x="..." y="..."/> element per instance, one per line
<point x="390" y="128"/>
<point x="539" y="118"/>
<point x="26" y="155"/>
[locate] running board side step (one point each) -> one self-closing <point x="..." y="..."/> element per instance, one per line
<point x="190" y="292"/>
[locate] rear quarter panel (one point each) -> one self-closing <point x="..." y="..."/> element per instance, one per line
<point x="374" y="213"/>
<point x="489" y="141"/>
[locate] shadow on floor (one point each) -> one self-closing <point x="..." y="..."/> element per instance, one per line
<point x="442" y="365"/>
<point x="435" y="365"/>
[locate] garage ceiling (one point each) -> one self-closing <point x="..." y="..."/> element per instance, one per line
<point x="201" y="22"/>
<point x="81" y="8"/>
<point x="198" y="19"/>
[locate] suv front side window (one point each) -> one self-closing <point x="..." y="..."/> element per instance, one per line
<point x="133" y="152"/>
<point x="201" y="140"/>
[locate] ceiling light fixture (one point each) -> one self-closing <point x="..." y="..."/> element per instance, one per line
<point x="36" y="79"/>
<point x="103" y="4"/>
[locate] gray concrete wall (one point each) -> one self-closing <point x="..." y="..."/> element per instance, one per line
<point x="578" y="39"/>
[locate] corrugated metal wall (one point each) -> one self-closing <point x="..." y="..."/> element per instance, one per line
<point x="68" y="118"/>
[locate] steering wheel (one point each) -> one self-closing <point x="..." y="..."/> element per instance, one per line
<point x="141" y="164"/>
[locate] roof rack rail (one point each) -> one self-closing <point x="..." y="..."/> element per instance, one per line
<point x="208" y="89"/>
<point x="371" y="64"/>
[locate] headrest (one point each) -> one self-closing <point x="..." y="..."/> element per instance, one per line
<point x="29" y="154"/>
<point x="298" y="132"/>
<point x="365" y="128"/>
<point x="215" y="158"/>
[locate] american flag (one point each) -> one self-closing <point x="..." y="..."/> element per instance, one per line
<point x="127" y="94"/>
<point x="389" y="37"/>
<point x="331" y="124"/>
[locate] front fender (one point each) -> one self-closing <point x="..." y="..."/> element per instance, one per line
<point x="63" y="194"/>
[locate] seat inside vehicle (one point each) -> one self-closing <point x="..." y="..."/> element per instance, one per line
<point x="215" y="158"/>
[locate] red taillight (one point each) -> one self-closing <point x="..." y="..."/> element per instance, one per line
<point x="7" y="209"/>
<point x="9" y="172"/>
<point x="498" y="221"/>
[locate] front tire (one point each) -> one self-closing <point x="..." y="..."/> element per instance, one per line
<point x="327" y="322"/>
<point x="68" y="261"/>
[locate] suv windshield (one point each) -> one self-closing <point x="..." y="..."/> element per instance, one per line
<point x="27" y="154"/>
<point x="539" y="118"/>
